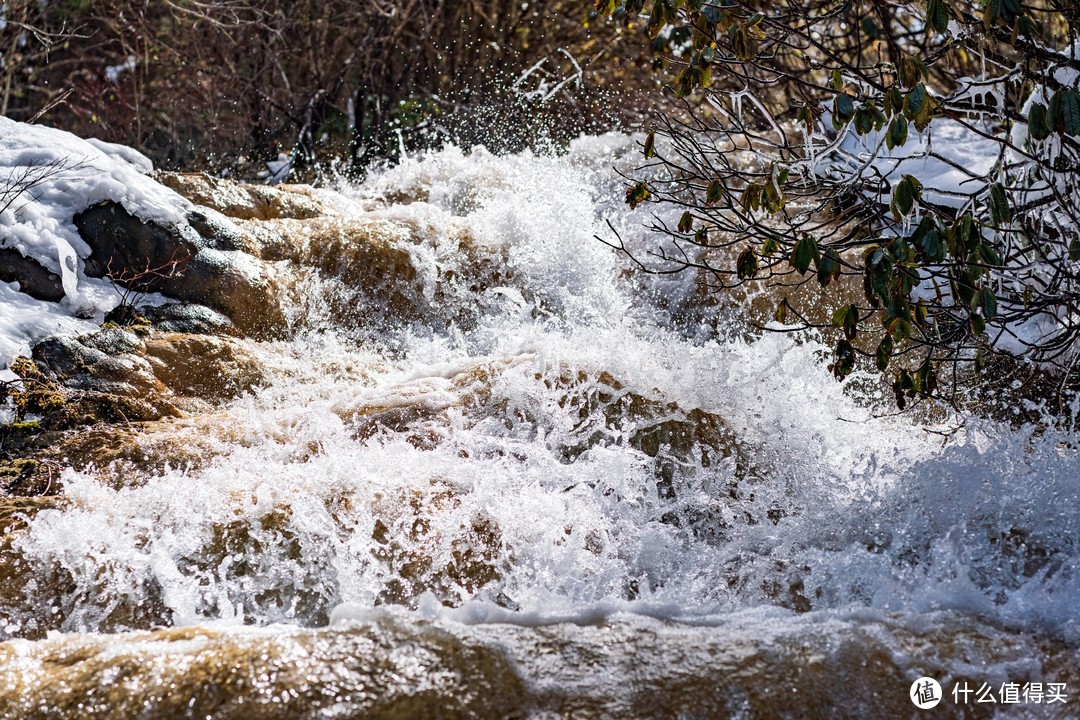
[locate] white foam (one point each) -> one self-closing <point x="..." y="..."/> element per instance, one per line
<point x="510" y="473"/>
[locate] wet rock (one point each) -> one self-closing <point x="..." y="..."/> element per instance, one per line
<point x="192" y="268"/>
<point x="216" y="230"/>
<point x="188" y="318"/>
<point x="114" y="377"/>
<point x="203" y="366"/>
<point x="368" y="257"/>
<point x="16" y="512"/>
<point x="149" y="373"/>
<point x="28" y="477"/>
<point x="95" y="401"/>
<point x="391" y="666"/>
<point x="385" y="270"/>
<point x="406" y="528"/>
<point x="248" y="202"/>
<point x="109" y="362"/>
<point x="33" y="278"/>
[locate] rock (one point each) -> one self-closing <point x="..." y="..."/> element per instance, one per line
<point x="387" y="270"/>
<point x="219" y="233"/>
<point x="383" y="665"/>
<point x="34" y="279"/>
<point x="209" y="368"/>
<point x="17" y="511"/>
<point x="248" y="202"/>
<point x="110" y="362"/>
<point x="188" y="318"/>
<point x="103" y="400"/>
<point x="27" y="477"/>
<point x="364" y="254"/>
<point x="230" y="281"/>
<point x="152" y="373"/>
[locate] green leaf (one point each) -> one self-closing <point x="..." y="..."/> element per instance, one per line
<point x="1000" y="212"/>
<point x="637" y="194"/>
<point x="907" y="193"/>
<point x="988" y="302"/>
<point x="843" y="107"/>
<point x="1065" y="112"/>
<point x="898" y="132"/>
<point x="915" y="101"/>
<point x="978" y="325"/>
<point x="781" y="313"/>
<point x="828" y="268"/>
<point x="988" y="255"/>
<point x="713" y="15"/>
<point x="837" y="80"/>
<point x="1038" y="123"/>
<point x="774" y="194"/>
<point x="844" y="361"/>
<point x="686" y="222"/>
<point x="927" y="377"/>
<point x="650" y="145"/>
<point x="864" y="120"/>
<point x="657" y="18"/>
<point x="927" y="238"/>
<point x="937" y="15"/>
<point x="751" y="197"/>
<point x="714" y="193"/>
<point x="991" y="13"/>
<point x="894" y="101"/>
<point x="606" y="7"/>
<point x="911" y="69"/>
<point x="879" y="117"/>
<point x="884" y="353"/>
<point x="900" y="329"/>
<point x="747" y="265"/>
<point x="742" y="44"/>
<point x="804" y="252"/>
<point x="847" y="317"/>
<point x="1074" y="248"/>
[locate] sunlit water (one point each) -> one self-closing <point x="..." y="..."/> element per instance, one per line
<point x="558" y="444"/>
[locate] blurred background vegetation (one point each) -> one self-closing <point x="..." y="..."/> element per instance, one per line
<point x="227" y="85"/>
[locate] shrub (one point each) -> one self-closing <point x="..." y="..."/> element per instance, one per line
<point x="928" y="150"/>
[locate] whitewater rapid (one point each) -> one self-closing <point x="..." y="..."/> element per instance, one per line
<point x="579" y="444"/>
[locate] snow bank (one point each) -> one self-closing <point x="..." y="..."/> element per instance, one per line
<point x="949" y="158"/>
<point x="47" y="177"/>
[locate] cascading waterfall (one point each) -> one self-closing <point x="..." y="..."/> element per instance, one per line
<point x="578" y="458"/>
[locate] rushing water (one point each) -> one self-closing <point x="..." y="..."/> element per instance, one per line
<point x="562" y="489"/>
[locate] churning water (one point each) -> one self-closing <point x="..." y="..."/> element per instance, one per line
<point x="559" y="488"/>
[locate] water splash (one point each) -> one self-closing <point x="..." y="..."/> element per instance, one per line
<point x="569" y="449"/>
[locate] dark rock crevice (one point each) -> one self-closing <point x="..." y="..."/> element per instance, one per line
<point x="34" y="279"/>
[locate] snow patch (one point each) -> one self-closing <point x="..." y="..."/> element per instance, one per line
<point x="47" y="177"/>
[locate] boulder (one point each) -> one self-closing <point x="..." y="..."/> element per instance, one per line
<point x="190" y="267"/>
<point x="247" y="202"/>
<point x="206" y="367"/>
<point x="33" y="278"/>
<point x="188" y="318"/>
<point x="153" y="372"/>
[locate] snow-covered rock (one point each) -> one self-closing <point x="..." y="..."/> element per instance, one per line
<point x="55" y="192"/>
<point x="48" y="176"/>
